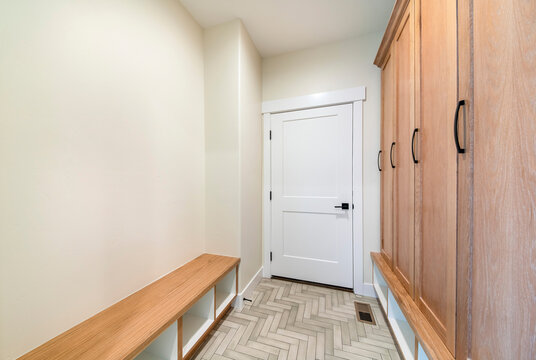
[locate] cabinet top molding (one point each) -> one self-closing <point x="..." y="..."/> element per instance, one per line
<point x="390" y="32"/>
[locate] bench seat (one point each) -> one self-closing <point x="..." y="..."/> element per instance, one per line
<point x="126" y="328"/>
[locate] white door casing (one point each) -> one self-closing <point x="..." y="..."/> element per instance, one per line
<point x="355" y="97"/>
<point x="311" y="176"/>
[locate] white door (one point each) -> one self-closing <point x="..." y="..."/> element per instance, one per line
<point x="311" y="182"/>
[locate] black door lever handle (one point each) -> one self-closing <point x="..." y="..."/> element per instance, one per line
<point x="343" y="206"/>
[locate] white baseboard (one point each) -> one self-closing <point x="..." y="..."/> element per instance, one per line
<point x="366" y="289"/>
<point x="248" y="290"/>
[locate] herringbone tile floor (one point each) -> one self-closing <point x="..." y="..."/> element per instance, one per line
<point x="288" y="320"/>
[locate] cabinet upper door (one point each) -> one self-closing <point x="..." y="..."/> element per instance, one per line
<point x="387" y="137"/>
<point x="436" y="250"/>
<point x="404" y="170"/>
<point x="504" y="205"/>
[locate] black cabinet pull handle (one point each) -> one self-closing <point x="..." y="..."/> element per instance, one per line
<point x="415" y="131"/>
<point x="456" y="116"/>
<point x="379" y="165"/>
<point x="391" y="155"/>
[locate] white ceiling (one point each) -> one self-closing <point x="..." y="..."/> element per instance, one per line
<point x="280" y="26"/>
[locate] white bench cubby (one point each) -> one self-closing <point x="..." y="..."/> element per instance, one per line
<point x="225" y="292"/>
<point x="402" y="330"/>
<point x="164" y="347"/>
<point x="381" y="287"/>
<point x="421" y="354"/>
<point x="196" y="321"/>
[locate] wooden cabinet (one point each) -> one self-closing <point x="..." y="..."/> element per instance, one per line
<point x="503" y="312"/>
<point x="397" y="166"/>
<point x="461" y="228"/>
<point x="423" y="50"/>
<point x="387" y="171"/>
<point x="436" y="258"/>
<point x="404" y="168"/>
<point x="397" y="178"/>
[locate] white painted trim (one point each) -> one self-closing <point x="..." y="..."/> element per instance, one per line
<point x="239" y="301"/>
<point x="266" y="204"/>
<point x="315" y="100"/>
<point x="355" y="96"/>
<point x="357" y="183"/>
<point x="366" y="289"/>
<point x="252" y="283"/>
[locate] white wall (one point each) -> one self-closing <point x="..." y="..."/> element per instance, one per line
<point x="222" y="139"/>
<point x="250" y="158"/>
<point x="101" y="157"/>
<point x="234" y="146"/>
<point x="336" y="66"/>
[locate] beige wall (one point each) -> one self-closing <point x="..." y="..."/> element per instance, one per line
<point x="233" y="128"/>
<point x="250" y="159"/>
<point x="336" y="66"/>
<point x="222" y="134"/>
<point x="101" y="156"/>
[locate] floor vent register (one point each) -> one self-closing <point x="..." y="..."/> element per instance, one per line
<point x="364" y="313"/>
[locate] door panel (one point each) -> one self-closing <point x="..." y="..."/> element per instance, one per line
<point x="504" y="233"/>
<point x="387" y="137"/>
<point x="404" y="179"/>
<point x="436" y="286"/>
<point x="311" y="174"/>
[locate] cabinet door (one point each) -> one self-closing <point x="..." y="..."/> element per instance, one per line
<point x="404" y="171"/>
<point x="436" y="260"/>
<point x="504" y="201"/>
<point x="387" y="137"/>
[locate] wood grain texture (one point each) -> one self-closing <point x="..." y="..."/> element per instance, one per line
<point x="404" y="171"/>
<point x="436" y="286"/>
<point x="388" y="37"/>
<point x="425" y="333"/>
<point x="123" y="330"/>
<point x="387" y="174"/>
<point x="417" y="215"/>
<point x="504" y="253"/>
<point x="465" y="181"/>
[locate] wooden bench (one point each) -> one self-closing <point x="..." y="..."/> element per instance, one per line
<point x="166" y="320"/>
<point x="415" y="336"/>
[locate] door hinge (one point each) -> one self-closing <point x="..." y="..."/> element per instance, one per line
<point x="352" y="206"/>
<point x="270" y="256"/>
<point x="270" y="195"/>
<point x="270" y="134"/>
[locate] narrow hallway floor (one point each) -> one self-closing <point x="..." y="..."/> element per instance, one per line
<point x="289" y="320"/>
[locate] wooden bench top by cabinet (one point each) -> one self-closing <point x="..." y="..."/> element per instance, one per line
<point x="429" y="339"/>
<point x="127" y="327"/>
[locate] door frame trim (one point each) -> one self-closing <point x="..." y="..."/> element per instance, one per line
<point x="354" y="96"/>
<point x="329" y="98"/>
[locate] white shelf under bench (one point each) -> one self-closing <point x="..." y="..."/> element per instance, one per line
<point x="197" y="321"/>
